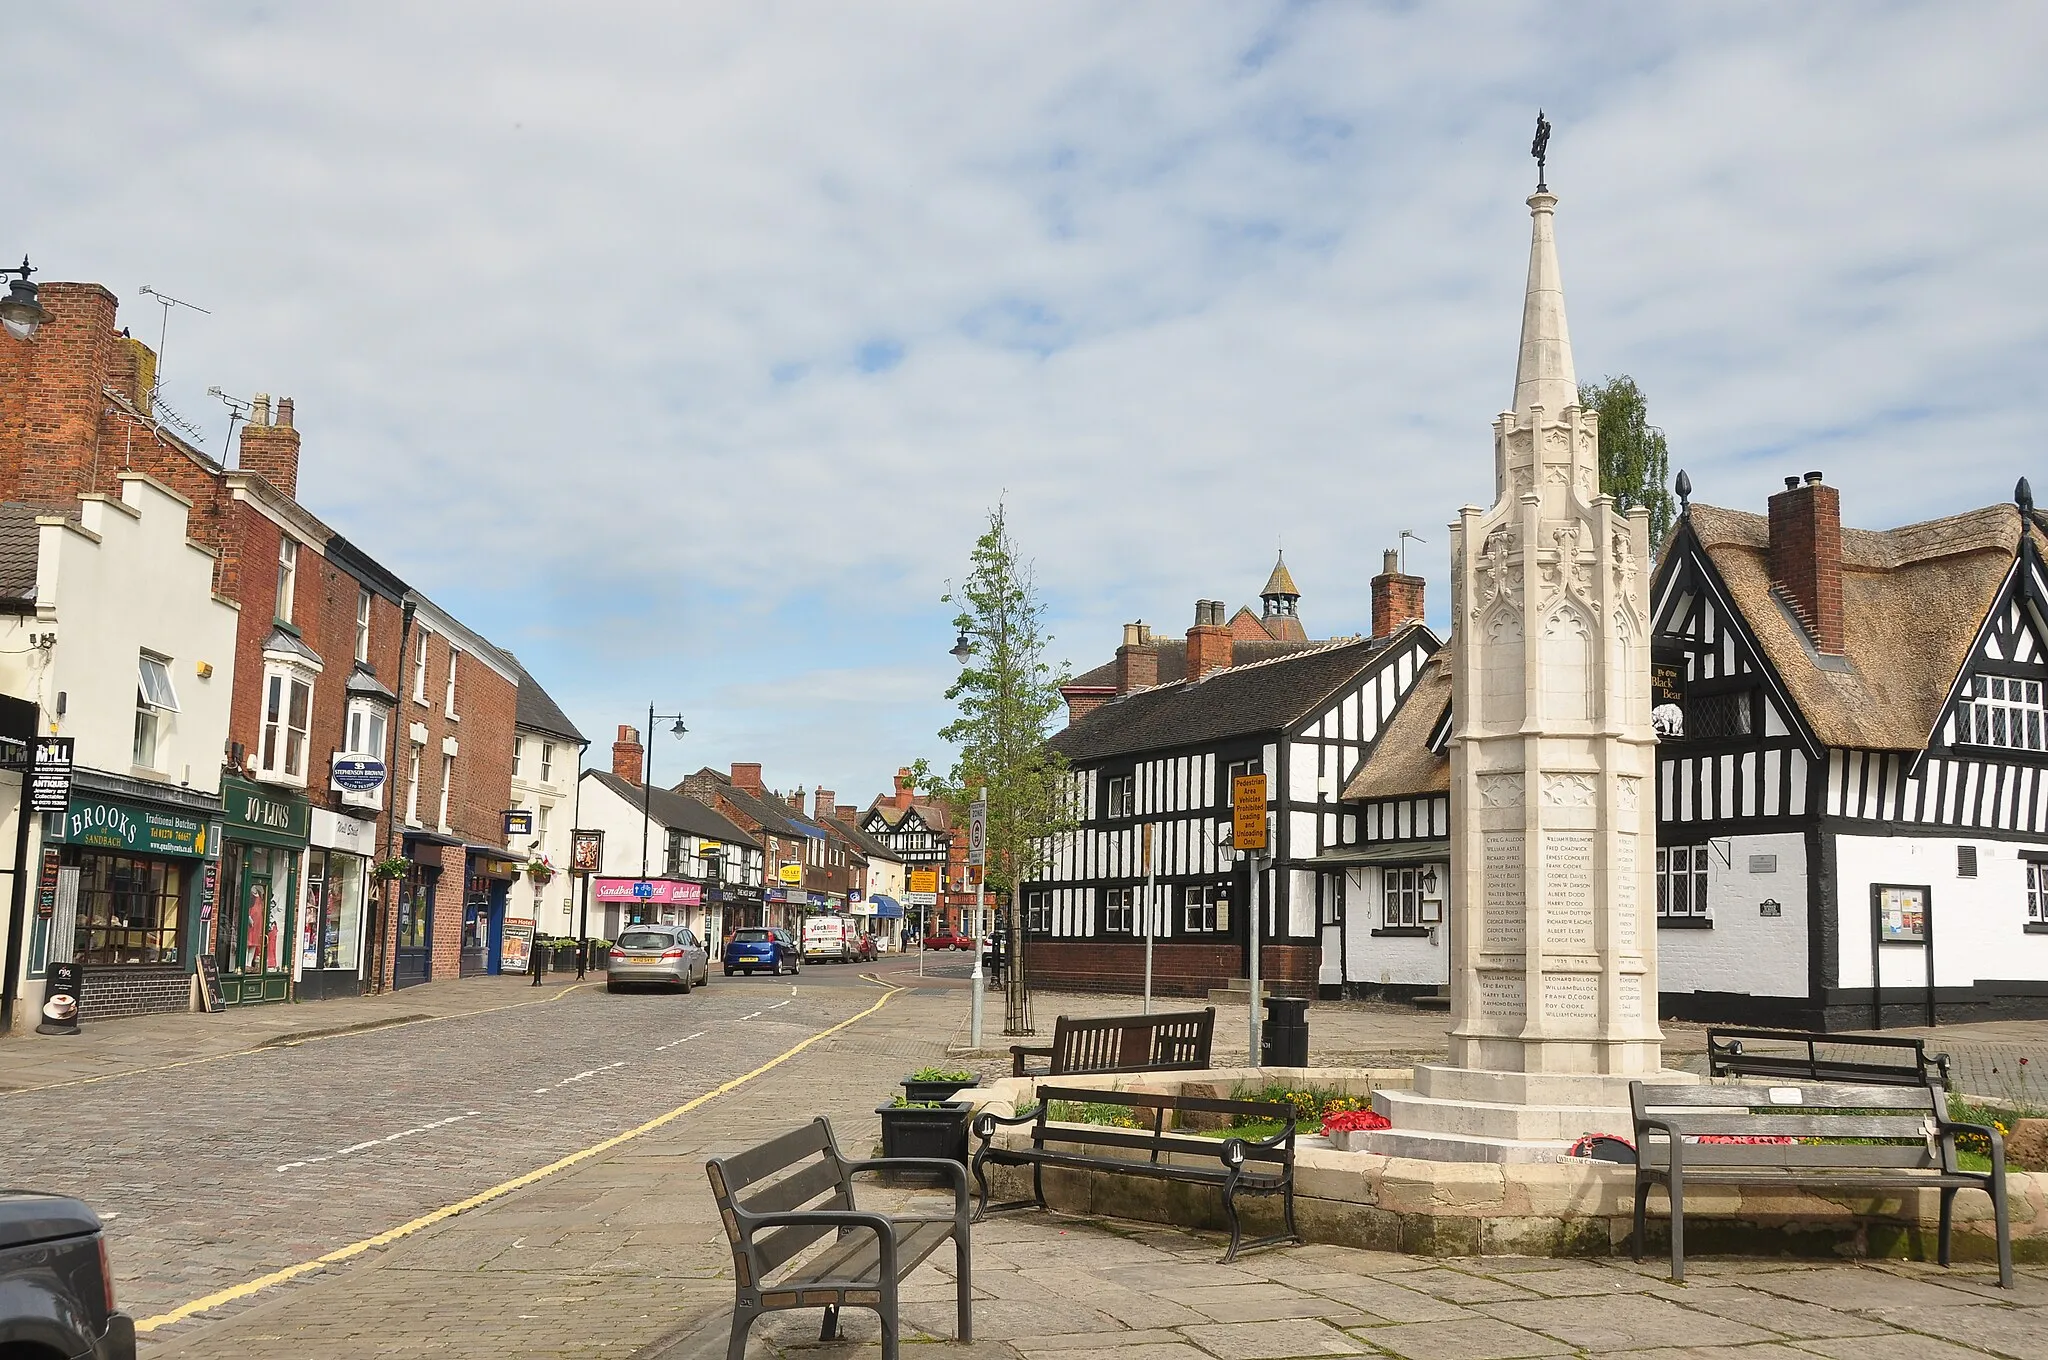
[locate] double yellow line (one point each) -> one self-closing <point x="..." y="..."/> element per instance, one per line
<point x="428" y="1220"/>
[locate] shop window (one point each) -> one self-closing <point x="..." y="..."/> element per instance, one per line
<point x="363" y="626"/>
<point x="129" y="910"/>
<point x="1205" y="910"/>
<point x="1402" y="901"/>
<point x="1118" y="916"/>
<point x="287" y="577"/>
<point x="332" y="931"/>
<point x="1682" y="882"/>
<point x="287" y="713"/>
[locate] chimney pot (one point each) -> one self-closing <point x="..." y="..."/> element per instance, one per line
<point x="1137" y="665"/>
<point x="259" y="409"/>
<point x="1813" y="479"/>
<point x="1792" y="483"/>
<point x="1390" y="561"/>
<point x="1210" y="645"/>
<point x="627" y="754"/>
<point x="284" y="414"/>
<point x="1131" y="631"/>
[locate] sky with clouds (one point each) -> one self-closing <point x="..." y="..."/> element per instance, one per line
<point x="682" y="349"/>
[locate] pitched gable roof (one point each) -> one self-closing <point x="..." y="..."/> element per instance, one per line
<point x="767" y="810"/>
<point x="675" y="810"/>
<point x="20" y="549"/>
<point x="1172" y="654"/>
<point x="1401" y="762"/>
<point x="1913" y="601"/>
<point x="536" y="709"/>
<point x="1243" y="700"/>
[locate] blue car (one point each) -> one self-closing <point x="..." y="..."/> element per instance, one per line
<point x="762" y="950"/>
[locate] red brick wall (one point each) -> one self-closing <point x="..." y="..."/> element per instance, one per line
<point x="1210" y="648"/>
<point x="1178" y="969"/>
<point x="1396" y="600"/>
<point x="1806" y="557"/>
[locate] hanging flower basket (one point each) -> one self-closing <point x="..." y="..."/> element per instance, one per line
<point x="390" y="869"/>
<point x="540" y="869"/>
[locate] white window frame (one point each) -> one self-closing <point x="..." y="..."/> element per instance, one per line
<point x="2004" y="712"/>
<point x="283" y="749"/>
<point x="147" y="737"/>
<point x="363" y="625"/>
<point x="454" y="654"/>
<point x="154" y="697"/>
<point x="518" y="756"/>
<point x="547" y="762"/>
<point x="1122" y="795"/>
<point x="1687" y="879"/>
<point x="287" y="576"/>
<point x="1038" y="912"/>
<point x="447" y="788"/>
<point x="1401" y="897"/>
<point x="1119" y="911"/>
<point x="412" y="787"/>
<point x="419" y="667"/>
<point x="1205" y="909"/>
<point x="365" y="731"/>
<point x="2037" y="893"/>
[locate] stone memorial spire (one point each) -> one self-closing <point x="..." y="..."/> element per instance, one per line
<point x="1553" y="763"/>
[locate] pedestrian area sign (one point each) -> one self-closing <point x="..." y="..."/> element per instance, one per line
<point x="1248" y="812"/>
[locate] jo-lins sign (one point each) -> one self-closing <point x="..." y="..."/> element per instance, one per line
<point x="119" y="826"/>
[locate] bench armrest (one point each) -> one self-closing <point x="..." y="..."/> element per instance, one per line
<point x="1991" y="1135"/>
<point x="954" y="1172"/>
<point x="1018" y="1052"/>
<point x="1674" y="1139"/>
<point x="878" y="1224"/>
<point x="1233" y="1148"/>
<point x="985" y="1121"/>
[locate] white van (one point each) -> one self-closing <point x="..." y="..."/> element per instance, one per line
<point x="829" y="939"/>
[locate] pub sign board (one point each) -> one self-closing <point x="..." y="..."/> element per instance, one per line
<point x="518" y="822"/>
<point x="586" y="851"/>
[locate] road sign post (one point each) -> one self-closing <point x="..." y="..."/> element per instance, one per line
<point x="1248" y="834"/>
<point x="977" y="858"/>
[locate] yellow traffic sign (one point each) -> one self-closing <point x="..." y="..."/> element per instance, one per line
<point x="1248" y="812"/>
<point x="924" y="880"/>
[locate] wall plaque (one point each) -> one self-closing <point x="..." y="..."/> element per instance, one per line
<point x="1568" y="892"/>
<point x="1501" y="929"/>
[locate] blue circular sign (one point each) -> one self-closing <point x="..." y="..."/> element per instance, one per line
<point x="358" y="774"/>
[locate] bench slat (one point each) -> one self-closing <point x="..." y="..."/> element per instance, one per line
<point x="1656" y="1152"/>
<point x="858" y="1260"/>
<point x="786" y="1149"/>
<point x="1794" y="1125"/>
<point x="1251" y="1177"/>
<point x="1813" y="1096"/>
<point x="1847" y="1180"/>
<point x="779" y="1246"/>
<point x="1142" y="1140"/>
<point x="1080" y="1095"/>
<point x="798" y="1190"/>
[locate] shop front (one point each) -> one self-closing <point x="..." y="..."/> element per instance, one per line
<point x="253" y="930"/>
<point x="412" y="954"/>
<point x="487" y="879"/>
<point x="339" y="863"/>
<point x="131" y="891"/>
<point x="658" y="901"/>
<point x="741" y="904"/>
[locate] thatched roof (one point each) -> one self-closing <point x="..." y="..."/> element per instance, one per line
<point x="1913" y="600"/>
<point x="1401" y="763"/>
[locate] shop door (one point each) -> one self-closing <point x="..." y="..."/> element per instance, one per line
<point x="413" y="960"/>
<point x="476" y="928"/>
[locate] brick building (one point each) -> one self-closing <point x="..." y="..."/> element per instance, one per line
<point x="803" y="866"/>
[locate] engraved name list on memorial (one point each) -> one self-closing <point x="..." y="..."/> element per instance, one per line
<point x="1505" y="892"/>
<point x="1568" y="892"/>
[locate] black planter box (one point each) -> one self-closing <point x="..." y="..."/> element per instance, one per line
<point x="565" y="958"/>
<point x="926" y="1130"/>
<point x="916" y="1090"/>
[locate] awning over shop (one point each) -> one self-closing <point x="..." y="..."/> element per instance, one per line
<point x="489" y="861"/>
<point x="1389" y="852"/>
<point x="886" y="905"/>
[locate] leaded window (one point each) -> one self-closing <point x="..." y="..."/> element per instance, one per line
<point x="1118" y="916"/>
<point x="1403" y="896"/>
<point x="1999" y="710"/>
<point x="1682" y="880"/>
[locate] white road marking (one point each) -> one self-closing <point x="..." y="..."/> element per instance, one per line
<point x="376" y="1142"/>
<point x="684" y="1040"/>
<point x="749" y="1017"/>
<point x="778" y="1005"/>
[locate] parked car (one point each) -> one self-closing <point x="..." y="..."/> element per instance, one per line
<point x="762" y="950"/>
<point x="829" y="939"/>
<point x="667" y="956"/>
<point x="56" y="1288"/>
<point x="946" y="939"/>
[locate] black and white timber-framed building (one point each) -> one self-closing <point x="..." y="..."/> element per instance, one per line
<point x="1157" y="760"/>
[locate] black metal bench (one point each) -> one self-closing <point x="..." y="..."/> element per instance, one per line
<point x="1730" y="1054"/>
<point x="1243" y="1166"/>
<point x="810" y="1196"/>
<point x="1887" y="1138"/>
<point x="1172" y="1041"/>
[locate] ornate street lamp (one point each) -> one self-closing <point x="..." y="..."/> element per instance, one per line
<point x="20" y="313"/>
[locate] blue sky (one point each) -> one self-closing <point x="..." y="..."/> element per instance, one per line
<point x="682" y="349"/>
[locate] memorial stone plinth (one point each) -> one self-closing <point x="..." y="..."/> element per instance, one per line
<point x="1553" y="814"/>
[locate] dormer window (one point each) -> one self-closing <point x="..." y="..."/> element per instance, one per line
<point x="1998" y="710"/>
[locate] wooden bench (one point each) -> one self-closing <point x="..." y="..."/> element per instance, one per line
<point x="1887" y="1138"/>
<point x="1730" y="1054"/>
<point x="1176" y="1041"/>
<point x="781" y="1198"/>
<point x="1243" y="1166"/>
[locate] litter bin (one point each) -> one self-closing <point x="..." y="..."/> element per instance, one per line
<point x="1284" y="1041"/>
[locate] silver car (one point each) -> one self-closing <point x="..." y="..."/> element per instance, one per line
<point x="669" y="956"/>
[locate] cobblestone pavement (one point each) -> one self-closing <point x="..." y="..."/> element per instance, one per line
<point x="214" y="1173"/>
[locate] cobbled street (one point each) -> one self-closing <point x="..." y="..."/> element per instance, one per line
<point x="214" y="1173"/>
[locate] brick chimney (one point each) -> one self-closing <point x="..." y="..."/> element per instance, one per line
<point x="821" y="804"/>
<point x="1806" y="557"/>
<point x="271" y="449"/>
<point x="1396" y="597"/>
<point x="796" y="800"/>
<point x="51" y="398"/>
<point x="1210" y="646"/>
<point x="627" y="753"/>
<point x="1137" y="665"/>
<point x="905" y="795"/>
<point x="747" y="777"/>
<point x="845" y="813"/>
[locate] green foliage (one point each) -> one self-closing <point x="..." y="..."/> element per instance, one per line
<point x="1310" y="1104"/>
<point x="1635" y="464"/>
<point x="941" y="1074"/>
<point x="1007" y="696"/>
<point x="1096" y="1112"/>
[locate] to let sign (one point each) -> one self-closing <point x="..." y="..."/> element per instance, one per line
<point x="1248" y="812"/>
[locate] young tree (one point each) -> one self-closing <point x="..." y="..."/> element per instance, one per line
<point x="1007" y="696"/>
<point x="1635" y="465"/>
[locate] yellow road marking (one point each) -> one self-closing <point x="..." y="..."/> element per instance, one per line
<point x="428" y="1220"/>
<point x="293" y="1043"/>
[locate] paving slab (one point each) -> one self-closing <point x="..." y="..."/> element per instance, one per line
<point x="1624" y="1322"/>
<point x="1786" y="1317"/>
<point x="1472" y="1338"/>
<point x="1271" y="1340"/>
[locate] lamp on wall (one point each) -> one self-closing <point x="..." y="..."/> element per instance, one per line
<point x="1427" y="881"/>
<point x="20" y="313"/>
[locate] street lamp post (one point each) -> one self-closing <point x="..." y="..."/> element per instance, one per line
<point x="20" y="313"/>
<point x="647" y="775"/>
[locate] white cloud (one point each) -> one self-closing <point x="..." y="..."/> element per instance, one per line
<point x="682" y="348"/>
